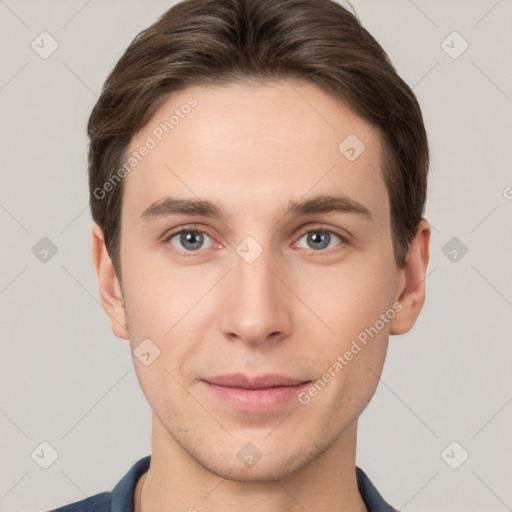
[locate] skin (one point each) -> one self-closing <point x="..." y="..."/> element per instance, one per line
<point x="251" y="149"/>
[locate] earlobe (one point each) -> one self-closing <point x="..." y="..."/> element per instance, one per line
<point x="110" y="290"/>
<point x="412" y="287"/>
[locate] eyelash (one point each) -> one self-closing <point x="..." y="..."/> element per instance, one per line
<point x="319" y="229"/>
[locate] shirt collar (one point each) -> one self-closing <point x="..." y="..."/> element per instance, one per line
<point x="122" y="494"/>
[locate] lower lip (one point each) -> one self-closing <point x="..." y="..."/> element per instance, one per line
<point x="254" y="400"/>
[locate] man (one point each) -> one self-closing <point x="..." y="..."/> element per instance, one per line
<point x="258" y="175"/>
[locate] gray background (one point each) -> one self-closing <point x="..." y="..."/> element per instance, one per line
<point x="67" y="380"/>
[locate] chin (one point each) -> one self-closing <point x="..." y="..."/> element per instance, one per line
<point x="265" y="469"/>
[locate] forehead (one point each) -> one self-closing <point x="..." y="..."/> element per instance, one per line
<point x="249" y="147"/>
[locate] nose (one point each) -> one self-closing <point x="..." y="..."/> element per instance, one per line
<point x="256" y="304"/>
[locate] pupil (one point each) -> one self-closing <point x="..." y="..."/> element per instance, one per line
<point x="320" y="239"/>
<point x="191" y="239"/>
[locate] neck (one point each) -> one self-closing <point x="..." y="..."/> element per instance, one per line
<point x="176" y="482"/>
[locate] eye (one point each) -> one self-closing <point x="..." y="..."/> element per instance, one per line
<point x="319" y="240"/>
<point x="190" y="239"/>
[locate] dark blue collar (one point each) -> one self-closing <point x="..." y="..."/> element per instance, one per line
<point x="122" y="495"/>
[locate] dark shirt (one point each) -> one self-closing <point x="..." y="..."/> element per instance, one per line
<point x="121" y="498"/>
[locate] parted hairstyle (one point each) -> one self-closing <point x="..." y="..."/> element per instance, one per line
<point x="197" y="42"/>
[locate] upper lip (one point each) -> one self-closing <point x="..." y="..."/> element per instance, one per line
<point x="239" y="380"/>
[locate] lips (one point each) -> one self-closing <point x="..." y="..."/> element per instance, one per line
<point x="239" y="380"/>
<point x="254" y="394"/>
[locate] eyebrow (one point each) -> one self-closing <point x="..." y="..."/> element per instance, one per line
<point x="319" y="204"/>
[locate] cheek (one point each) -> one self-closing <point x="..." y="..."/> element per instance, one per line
<point x="159" y="294"/>
<point x="170" y="306"/>
<point x="349" y="298"/>
<point x="349" y="355"/>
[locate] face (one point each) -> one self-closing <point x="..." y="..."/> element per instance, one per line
<point x="268" y="280"/>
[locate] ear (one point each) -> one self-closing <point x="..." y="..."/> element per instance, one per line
<point x="411" y="294"/>
<point x="110" y="289"/>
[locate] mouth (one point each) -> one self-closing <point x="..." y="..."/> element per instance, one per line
<point x="254" y="394"/>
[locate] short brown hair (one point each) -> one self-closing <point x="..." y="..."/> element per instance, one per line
<point x="199" y="41"/>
